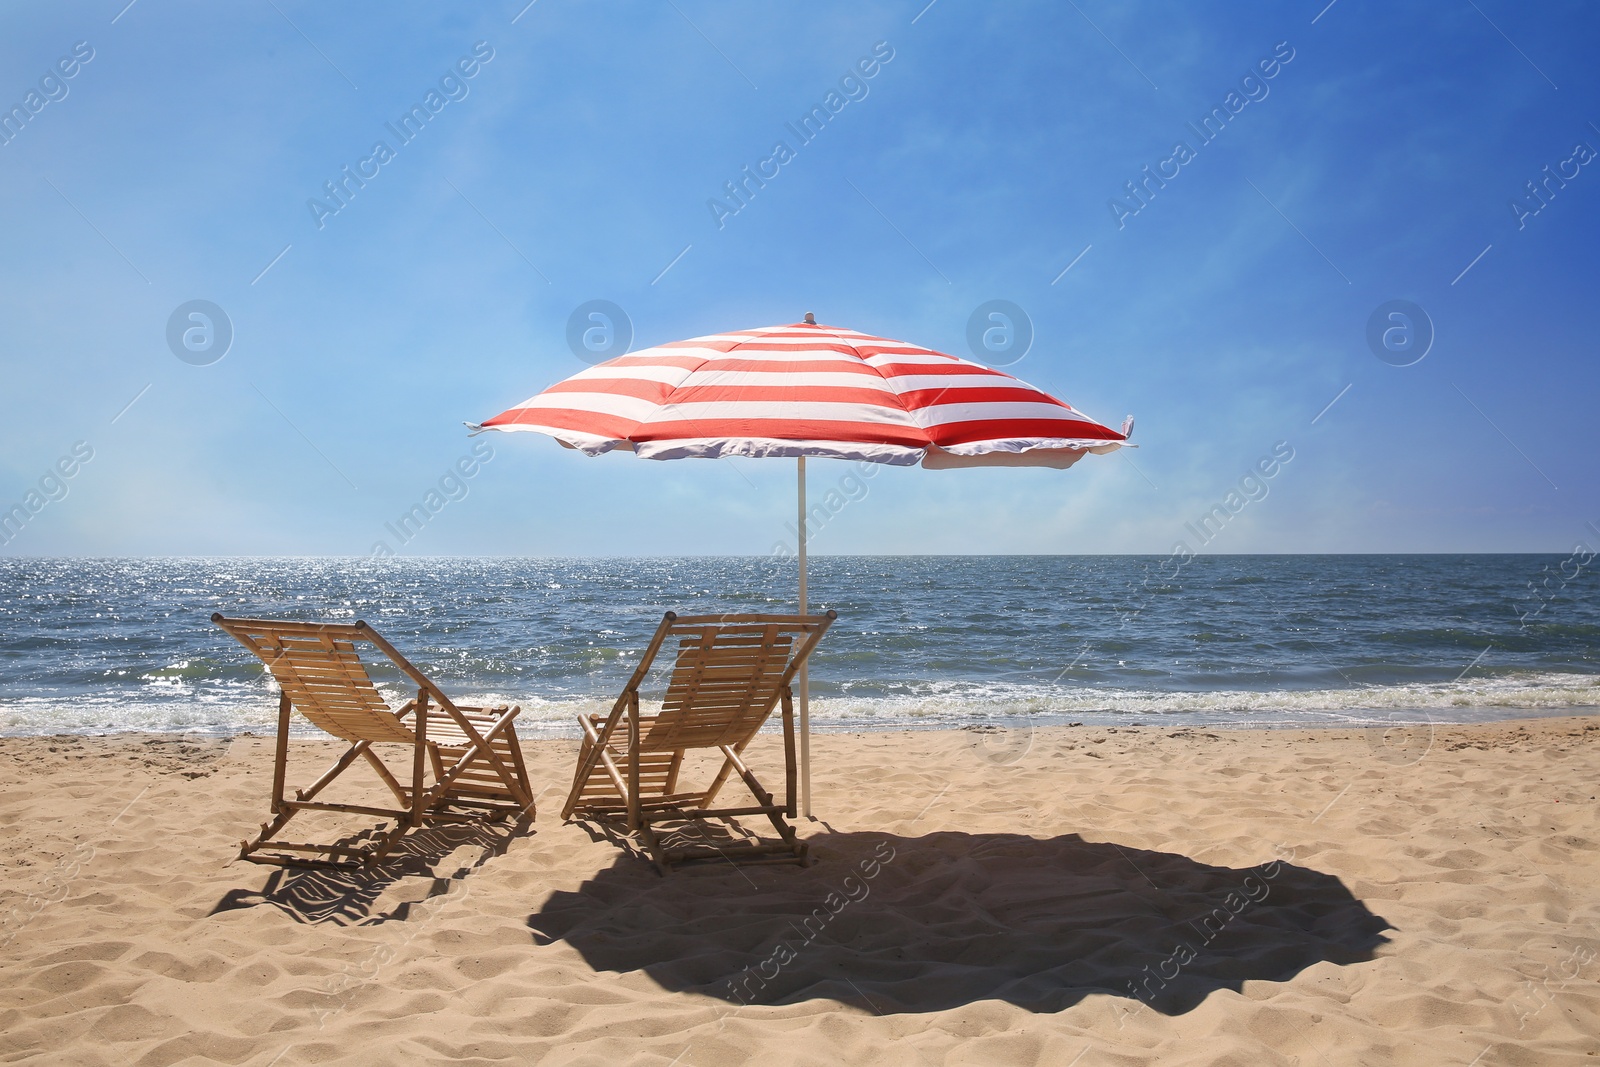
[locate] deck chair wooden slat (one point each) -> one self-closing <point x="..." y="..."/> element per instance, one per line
<point x="465" y="762"/>
<point x="730" y="673"/>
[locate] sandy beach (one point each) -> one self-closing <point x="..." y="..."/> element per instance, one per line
<point x="1070" y="895"/>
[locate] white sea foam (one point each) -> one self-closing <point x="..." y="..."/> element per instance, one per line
<point x="252" y="707"/>
<point x="1464" y="700"/>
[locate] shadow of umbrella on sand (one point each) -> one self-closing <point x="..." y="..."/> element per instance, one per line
<point x="923" y="924"/>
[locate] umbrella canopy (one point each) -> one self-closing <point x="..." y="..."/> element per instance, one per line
<point x="810" y="390"/>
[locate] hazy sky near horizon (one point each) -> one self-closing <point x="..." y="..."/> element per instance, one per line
<point x="1387" y="157"/>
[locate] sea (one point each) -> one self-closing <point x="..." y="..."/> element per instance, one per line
<point x="95" y="646"/>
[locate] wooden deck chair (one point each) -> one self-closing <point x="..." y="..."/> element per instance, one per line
<point x="731" y="671"/>
<point x="465" y="762"/>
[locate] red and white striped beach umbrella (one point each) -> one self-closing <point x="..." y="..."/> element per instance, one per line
<point x="810" y="390"/>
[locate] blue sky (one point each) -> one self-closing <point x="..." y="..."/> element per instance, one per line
<point x="577" y="162"/>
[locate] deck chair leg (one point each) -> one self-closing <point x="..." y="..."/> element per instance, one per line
<point x="339" y="767"/>
<point x="282" y="809"/>
<point x="762" y="796"/>
<point x="522" y="773"/>
<point x="388" y="779"/>
<point x="673" y="768"/>
<point x="281" y="758"/>
<point x="482" y="747"/>
<point x="390" y="839"/>
<point x="718" y="782"/>
<point x="269" y="830"/>
<point x="788" y="753"/>
<point x="471" y="756"/>
<point x="510" y="765"/>
<point x="419" y="757"/>
<point x="588" y="760"/>
<point x="594" y="756"/>
<point x="634" y="819"/>
<point x="515" y="778"/>
<point x="652" y="843"/>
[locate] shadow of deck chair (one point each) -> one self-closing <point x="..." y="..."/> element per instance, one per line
<point x="731" y="672"/>
<point x="465" y="762"/>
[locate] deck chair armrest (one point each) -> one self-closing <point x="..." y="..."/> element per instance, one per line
<point x="501" y="723"/>
<point x="490" y="717"/>
<point x="618" y="712"/>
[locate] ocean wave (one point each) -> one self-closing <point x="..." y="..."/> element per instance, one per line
<point x="958" y="702"/>
<point x="932" y="705"/>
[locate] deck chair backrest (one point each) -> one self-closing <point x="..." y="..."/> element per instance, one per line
<point x="729" y="675"/>
<point x="318" y="667"/>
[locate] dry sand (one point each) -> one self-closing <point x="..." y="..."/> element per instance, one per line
<point x="1071" y="896"/>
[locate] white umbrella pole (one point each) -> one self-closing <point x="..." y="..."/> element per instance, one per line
<point x="805" y="681"/>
